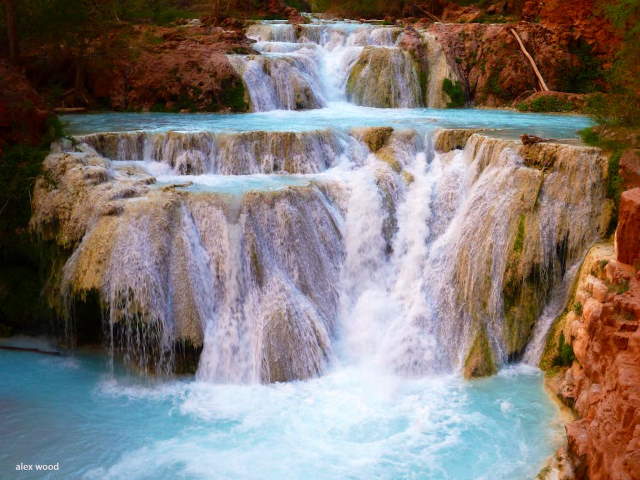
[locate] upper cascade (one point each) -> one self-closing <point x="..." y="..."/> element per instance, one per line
<point x="310" y="65"/>
<point x="229" y="153"/>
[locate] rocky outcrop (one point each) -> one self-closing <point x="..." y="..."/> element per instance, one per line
<point x="146" y="67"/>
<point x="488" y="58"/>
<point x="23" y="113"/>
<point x="628" y="231"/>
<point x="583" y="21"/>
<point x="173" y="69"/>
<point x="601" y="329"/>
<point x="630" y="168"/>
<point x="385" y="77"/>
<point x="452" y="138"/>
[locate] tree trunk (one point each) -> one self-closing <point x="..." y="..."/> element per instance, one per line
<point x="12" y="31"/>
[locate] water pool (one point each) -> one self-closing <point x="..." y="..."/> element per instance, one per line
<point x="349" y="424"/>
<point x="337" y="115"/>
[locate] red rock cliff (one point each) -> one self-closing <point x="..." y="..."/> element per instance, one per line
<point x="602" y="384"/>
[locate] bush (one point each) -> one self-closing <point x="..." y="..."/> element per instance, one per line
<point x="455" y="92"/>
<point x="547" y="103"/>
<point x="588" y="75"/>
<point x="565" y="355"/>
<point x="577" y="308"/>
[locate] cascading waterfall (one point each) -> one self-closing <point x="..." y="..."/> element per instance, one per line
<point x="307" y="66"/>
<point x="379" y="246"/>
<point x="273" y="254"/>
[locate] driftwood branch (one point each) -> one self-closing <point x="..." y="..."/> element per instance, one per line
<point x="31" y="350"/>
<point x="541" y="82"/>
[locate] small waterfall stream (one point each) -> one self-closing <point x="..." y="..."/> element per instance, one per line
<point x="307" y="66"/>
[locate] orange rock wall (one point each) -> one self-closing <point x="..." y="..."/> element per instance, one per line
<point x="603" y="383"/>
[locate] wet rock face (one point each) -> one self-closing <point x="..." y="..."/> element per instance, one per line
<point x="480" y="361"/>
<point x="242" y="153"/>
<point x="386" y="78"/>
<point x="603" y="383"/>
<point x="628" y="232"/>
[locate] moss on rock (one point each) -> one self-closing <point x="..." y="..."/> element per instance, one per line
<point x="480" y="361"/>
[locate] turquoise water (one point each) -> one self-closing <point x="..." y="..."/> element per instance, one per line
<point x="349" y="424"/>
<point x="340" y="115"/>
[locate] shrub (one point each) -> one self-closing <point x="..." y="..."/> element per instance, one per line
<point x="565" y="355"/>
<point x="547" y="103"/>
<point x="577" y="308"/>
<point x="455" y="92"/>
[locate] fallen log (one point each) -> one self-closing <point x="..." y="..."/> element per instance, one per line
<point x="31" y="350"/>
<point x="532" y="139"/>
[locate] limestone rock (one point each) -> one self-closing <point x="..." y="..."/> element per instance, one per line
<point x="479" y="361"/>
<point x="385" y="77"/>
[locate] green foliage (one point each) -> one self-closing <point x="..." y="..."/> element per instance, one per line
<point x="487" y="18"/>
<point x="615" y="182"/>
<point x="519" y="242"/>
<point x="300" y="5"/>
<point x="20" y="281"/>
<point x="547" y="103"/>
<point x="493" y="85"/>
<point x="233" y="96"/>
<point x="68" y="21"/>
<point x="577" y="308"/>
<point x="614" y="179"/>
<point x="455" y="92"/>
<point x="19" y="167"/>
<point x="622" y="106"/>
<point x="620" y="288"/>
<point x="587" y="75"/>
<point x="565" y="354"/>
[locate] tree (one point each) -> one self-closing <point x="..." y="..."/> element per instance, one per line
<point x="12" y="31"/>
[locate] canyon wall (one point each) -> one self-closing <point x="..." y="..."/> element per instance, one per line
<point x="599" y="337"/>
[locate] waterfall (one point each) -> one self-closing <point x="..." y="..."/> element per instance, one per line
<point x="239" y="153"/>
<point x="309" y="65"/>
<point x="402" y="249"/>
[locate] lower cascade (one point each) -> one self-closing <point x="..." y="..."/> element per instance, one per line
<point x="416" y="251"/>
